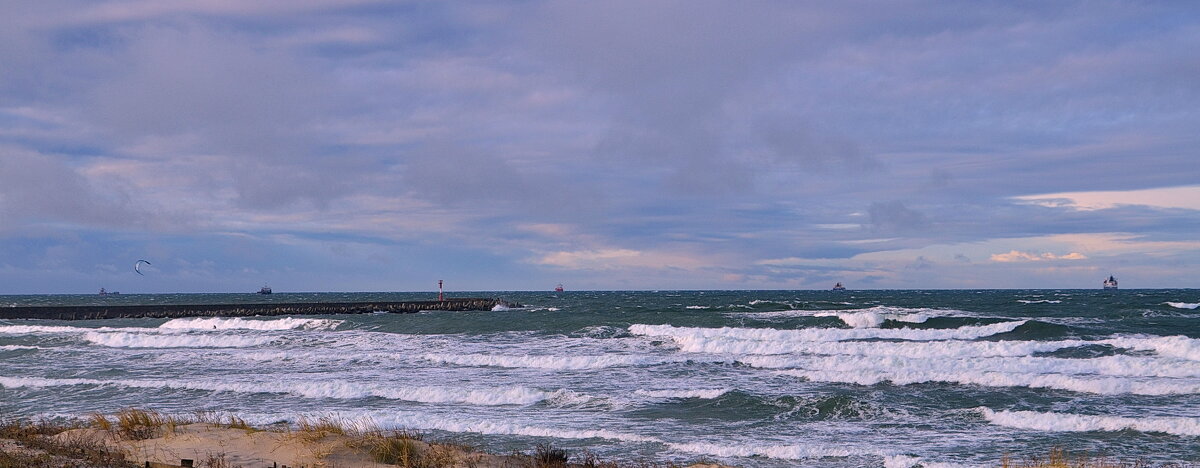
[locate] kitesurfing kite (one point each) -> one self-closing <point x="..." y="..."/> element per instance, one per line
<point x="138" y="265"/>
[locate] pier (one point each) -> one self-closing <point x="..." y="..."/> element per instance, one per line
<point x="95" y="312"/>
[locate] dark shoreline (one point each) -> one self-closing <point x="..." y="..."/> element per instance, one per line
<point x="94" y="312"/>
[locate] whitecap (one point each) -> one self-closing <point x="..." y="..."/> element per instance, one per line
<point x="1065" y="422"/>
<point x="702" y="393"/>
<point x="542" y="362"/>
<point x="1083" y="384"/>
<point x="144" y="340"/>
<point x="1184" y="305"/>
<point x="825" y="334"/>
<point x="220" y="323"/>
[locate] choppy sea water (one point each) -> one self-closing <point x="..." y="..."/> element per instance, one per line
<point x="753" y="378"/>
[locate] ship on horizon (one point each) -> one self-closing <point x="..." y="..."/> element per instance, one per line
<point x="1110" y="283"/>
<point x="839" y="287"/>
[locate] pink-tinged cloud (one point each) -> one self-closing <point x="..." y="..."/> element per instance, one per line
<point x="1019" y="256"/>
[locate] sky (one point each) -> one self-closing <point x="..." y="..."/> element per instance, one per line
<point x="361" y="145"/>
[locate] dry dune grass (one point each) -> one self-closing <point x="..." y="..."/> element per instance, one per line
<point x="1058" y="458"/>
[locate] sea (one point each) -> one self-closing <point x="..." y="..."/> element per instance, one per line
<point x="896" y="378"/>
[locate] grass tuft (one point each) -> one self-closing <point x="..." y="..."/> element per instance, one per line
<point x="137" y="424"/>
<point x="1058" y="458"/>
<point x="546" y="456"/>
<point x="40" y="448"/>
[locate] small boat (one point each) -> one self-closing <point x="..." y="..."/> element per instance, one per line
<point x="558" y="288"/>
<point x="1110" y="283"/>
<point x="108" y="293"/>
<point x="839" y="287"/>
<point x="265" y="290"/>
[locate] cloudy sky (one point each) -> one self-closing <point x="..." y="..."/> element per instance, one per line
<point x="334" y="145"/>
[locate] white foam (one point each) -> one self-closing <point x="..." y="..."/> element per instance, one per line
<point x="788" y="452"/>
<point x="1083" y="384"/>
<point x="723" y="449"/>
<point x="1184" y="305"/>
<point x="144" y="340"/>
<point x="871" y="317"/>
<point x="707" y="394"/>
<point x="38" y="382"/>
<point x="542" y="362"/>
<point x="1063" y="422"/>
<point x="500" y="308"/>
<point x="1177" y="346"/>
<point x="219" y="323"/>
<point x="51" y="329"/>
<point x="825" y="334"/>
<point x="325" y="389"/>
<point x="920" y="349"/>
<point x="15" y="347"/>
<point x="424" y="422"/>
<point x="1117" y="366"/>
<point x="1039" y="301"/>
<point x="697" y="307"/>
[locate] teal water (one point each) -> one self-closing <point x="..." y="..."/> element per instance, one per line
<point x="753" y="378"/>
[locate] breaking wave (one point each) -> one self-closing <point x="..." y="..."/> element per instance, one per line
<point x="219" y="323"/>
<point x="1184" y="305"/>
<point x="543" y="362"/>
<point x="918" y="349"/>
<point x="328" y="389"/>
<point x="706" y="394"/>
<point x="825" y="334"/>
<point x="144" y="340"/>
<point x="53" y="329"/>
<point x="1063" y="422"/>
<point x="1082" y="384"/>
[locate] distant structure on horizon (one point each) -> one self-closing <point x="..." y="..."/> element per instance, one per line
<point x="265" y="290"/>
<point x="839" y="287"/>
<point x="1110" y="283"/>
<point x="558" y="288"/>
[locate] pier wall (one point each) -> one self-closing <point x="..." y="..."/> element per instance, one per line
<point x="93" y="312"/>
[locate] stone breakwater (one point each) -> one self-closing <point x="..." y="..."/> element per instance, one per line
<point x="93" y="312"/>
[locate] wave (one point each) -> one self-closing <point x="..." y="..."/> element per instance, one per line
<point x="424" y="422"/>
<point x="1039" y="301"/>
<point x="706" y="394"/>
<point x="1108" y="366"/>
<point x="875" y="316"/>
<point x="723" y="449"/>
<point x="545" y="362"/>
<point x="1183" y="305"/>
<point x="601" y="332"/>
<point x="143" y="340"/>
<point x="1063" y="422"/>
<point x="918" y="349"/>
<point x="16" y="347"/>
<point x="329" y="389"/>
<point x="871" y="317"/>
<point x="697" y="307"/>
<point x="788" y="452"/>
<point x="1082" y="384"/>
<point x="53" y="329"/>
<point x="219" y="323"/>
<point x="825" y="334"/>
<point x="1177" y="346"/>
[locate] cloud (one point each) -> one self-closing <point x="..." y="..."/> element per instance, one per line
<point x="1018" y="256"/>
<point x="895" y="217"/>
<point x="619" y="258"/>
<point x="1186" y="197"/>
